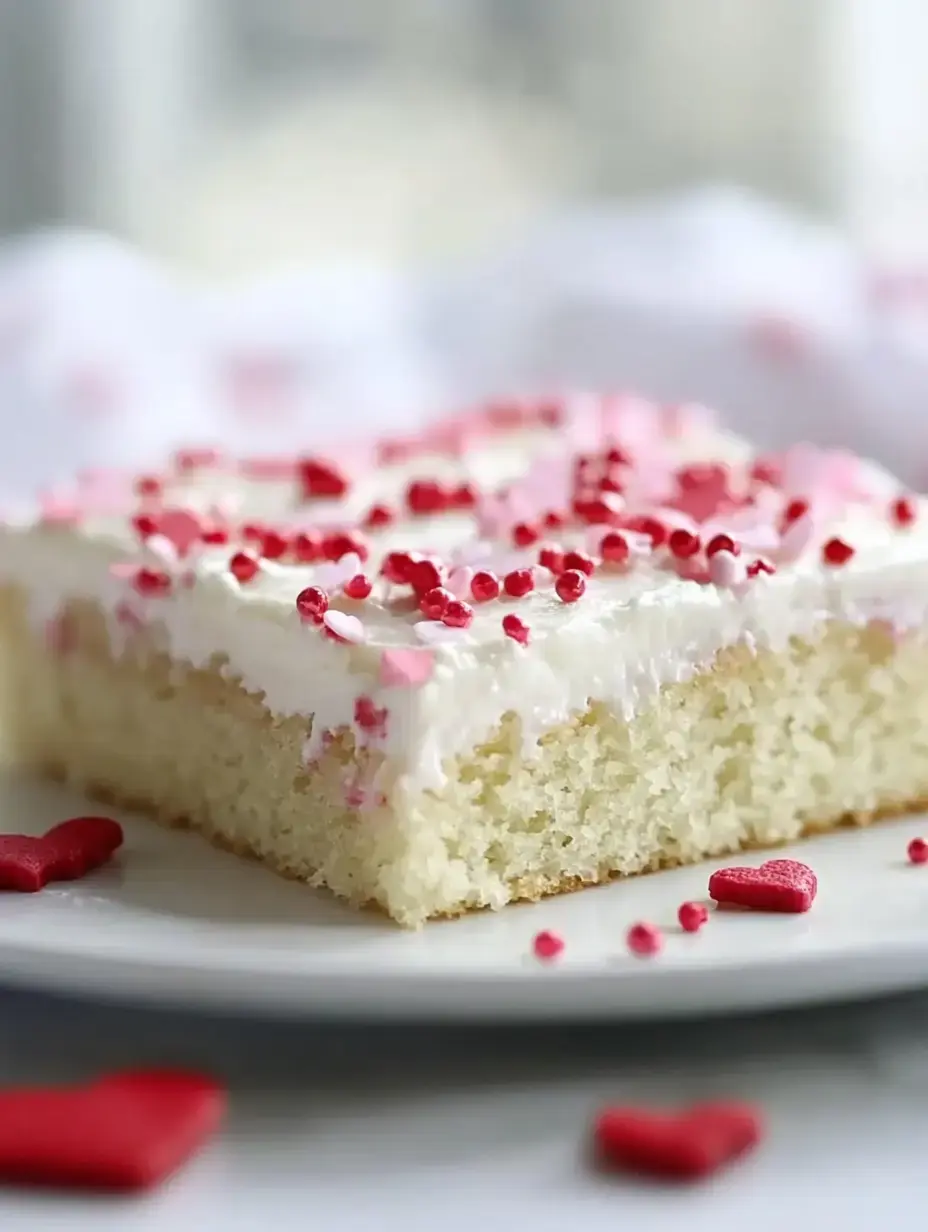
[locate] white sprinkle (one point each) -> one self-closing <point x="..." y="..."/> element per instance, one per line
<point x="332" y="575"/>
<point x="459" y="581"/>
<point x="725" y="569"/>
<point x="349" y="628"/>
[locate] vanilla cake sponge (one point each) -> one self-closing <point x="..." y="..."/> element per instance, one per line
<point x="536" y="647"/>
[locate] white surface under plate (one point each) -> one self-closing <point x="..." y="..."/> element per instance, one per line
<point x="174" y="920"/>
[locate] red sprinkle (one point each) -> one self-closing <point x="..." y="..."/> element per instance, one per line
<point x="378" y="516"/>
<point x="312" y="604"/>
<point x="343" y="543"/>
<point x="358" y="587"/>
<point x="917" y="851"/>
<point x="273" y="545"/>
<point x="307" y="547"/>
<point x="570" y="585"/>
<point x="579" y="560"/>
<point x="904" y="511"/>
<point x="795" y="510"/>
<point x="149" y="485"/>
<point x="320" y="479"/>
<point x="692" y="916"/>
<point x="151" y="582"/>
<point x="554" y="519"/>
<point x="368" y="717"/>
<point x="396" y="567"/>
<point x="515" y="628"/>
<point x="457" y="614"/>
<point x="614" y="548"/>
<point x="434" y="602"/>
<point x="837" y="552"/>
<point x="243" y="567"/>
<point x="679" y="1146"/>
<point x="423" y="575"/>
<point x="524" y="534"/>
<point x="777" y="885"/>
<point x="645" y="940"/>
<point x="64" y="853"/>
<point x="756" y="567"/>
<point x="484" y="586"/>
<point x="683" y="544"/>
<point x="425" y="496"/>
<point x="519" y="582"/>
<point x="722" y="543"/>
<point x="547" y="945"/>
<point x="215" y="535"/>
<point x="551" y="558"/>
<point x="652" y="527"/>
<point x="463" y="497"/>
<point x="144" y="525"/>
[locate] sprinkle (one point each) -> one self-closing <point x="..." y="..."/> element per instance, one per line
<point x="552" y="559"/>
<point x="554" y="519"/>
<point x="153" y="583"/>
<point x="570" y="585"/>
<point x="652" y="527"/>
<point x="358" y="587"/>
<point x="722" y="543"/>
<point x="903" y="511"/>
<point x="759" y="566"/>
<point x="463" y="497"/>
<point x="917" y="851"/>
<point x="423" y="575"/>
<point x="692" y="916"/>
<point x="614" y="548"/>
<point x="144" y="525"/>
<point x="515" y="628"/>
<point x="524" y="534"/>
<point x="396" y="567"/>
<point x="457" y="614"/>
<point x="547" y="945"/>
<point x="406" y="669"/>
<point x="344" y="627"/>
<point x="369" y="717"/>
<point x="312" y="604"/>
<point x="215" y="535"/>
<point x="377" y="517"/>
<point x="688" y="1145"/>
<point x="459" y="581"/>
<point x="579" y="560"/>
<point x="777" y="885"/>
<point x="725" y="569"/>
<point x="434" y="602"/>
<point x="519" y="582"/>
<point x="181" y="527"/>
<point x="243" y="567"/>
<point x="425" y="496"/>
<point x="320" y="479"/>
<point x="683" y="544"/>
<point x="837" y="552"/>
<point x="307" y="547"/>
<point x="484" y="586"/>
<point x="644" y="939"/>
<point x="148" y="485"/>
<point x="795" y="510"/>
<point x="345" y="543"/>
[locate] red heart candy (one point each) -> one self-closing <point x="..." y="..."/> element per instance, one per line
<point x="127" y="1131"/>
<point x="66" y="852"/>
<point x="778" y="885"/>
<point x="680" y="1146"/>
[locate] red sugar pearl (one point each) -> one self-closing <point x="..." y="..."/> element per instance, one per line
<point x="312" y="604"/>
<point x="307" y="547"/>
<point x="837" y="552"/>
<point x="215" y="535"/>
<point x="643" y="524"/>
<point x="917" y="851"/>
<point x="273" y="545"/>
<point x="524" y="534"/>
<point x="722" y="543"/>
<point x="335" y="546"/>
<point x="594" y="511"/>
<point x="580" y="561"/>
<point x="554" y="520"/>
<point x="903" y="511"/>
<point x="484" y="586"/>
<point x="570" y="585"/>
<point x="692" y="916"/>
<point x="519" y="582"/>
<point x="551" y="558"/>
<point x="457" y="614"/>
<point x="321" y="479"/>
<point x="645" y="940"/>
<point x="424" y="496"/>
<point x="795" y="510"/>
<point x="151" y="582"/>
<point x="516" y="629"/>
<point x="464" y="496"/>
<point x="423" y="575"/>
<point x="243" y="567"/>
<point x="144" y="525"/>
<point x="683" y="544"/>
<point x="378" y="516"/>
<point x="547" y="945"/>
<point x="434" y="602"/>
<point x="614" y="548"/>
<point x="358" y="587"/>
<point x="396" y="567"/>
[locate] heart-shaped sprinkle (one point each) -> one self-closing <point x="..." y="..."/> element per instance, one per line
<point x="683" y="1146"/>
<point x="68" y="851"/>
<point x="344" y="626"/>
<point x="778" y="885"/>
<point x="436" y="633"/>
<point x="406" y="669"/>
<point x="181" y="527"/>
<point x="459" y="580"/>
<point x="125" y="1132"/>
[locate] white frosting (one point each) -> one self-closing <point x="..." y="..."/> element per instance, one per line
<point x="633" y="631"/>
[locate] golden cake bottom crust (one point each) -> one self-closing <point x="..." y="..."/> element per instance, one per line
<point x="754" y="752"/>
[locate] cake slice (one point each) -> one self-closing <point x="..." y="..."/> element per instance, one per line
<point x="532" y="649"/>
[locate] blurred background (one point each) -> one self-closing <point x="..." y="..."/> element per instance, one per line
<point x="380" y="207"/>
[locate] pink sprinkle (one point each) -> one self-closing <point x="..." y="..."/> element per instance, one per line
<point x="725" y="569"/>
<point x="344" y="626"/>
<point x="692" y="916"/>
<point x="406" y="669"/>
<point x="796" y="538"/>
<point x="547" y="945"/>
<point x="644" y="939"/>
<point x="459" y="581"/>
<point x="182" y="528"/>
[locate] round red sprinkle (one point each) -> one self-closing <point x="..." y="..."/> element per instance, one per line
<point x="321" y="479"/>
<point x="519" y="582"/>
<point x="307" y="547"/>
<point x="554" y="520"/>
<point x="570" y="585"/>
<point x="614" y="548"/>
<point x="524" y="534"/>
<point x="424" y="496"/>
<point x="547" y="945"/>
<point x="252" y="531"/>
<point x="343" y="543"/>
<point x="551" y="558"/>
<point x="378" y="516"/>
<point x="312" y="604"/>
<point x="396" y="567"/>
<point x="151" y="582"/>
<point x="683" y="544"/>
<point x="837" y="552"/>
<point x="692" y="916"/>
<point x="904" y="511"/>
<point x="434" y="602"/>
<point x="644" y="525"/>
<point x="273" y="545"/>
<point x="463" y="497"/>
<point x="594" y="511"/>
<point x="644" y="939"/>
<point x="917" y="851"/>
<point x="516" y="629"/>
<point x="722" y="543"/>
<point x="243" y="567"/>
<point x="795" y="510"/>
<point x="484" y="586"/>
<point x="423" y="575"/>
<point x="458" y="614"/>
<point x="144" y="525"/>
<point x="358" y="587"/>
<point x="579" y="560"/>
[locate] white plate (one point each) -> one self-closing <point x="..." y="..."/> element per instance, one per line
<point x="174" y="920"/>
